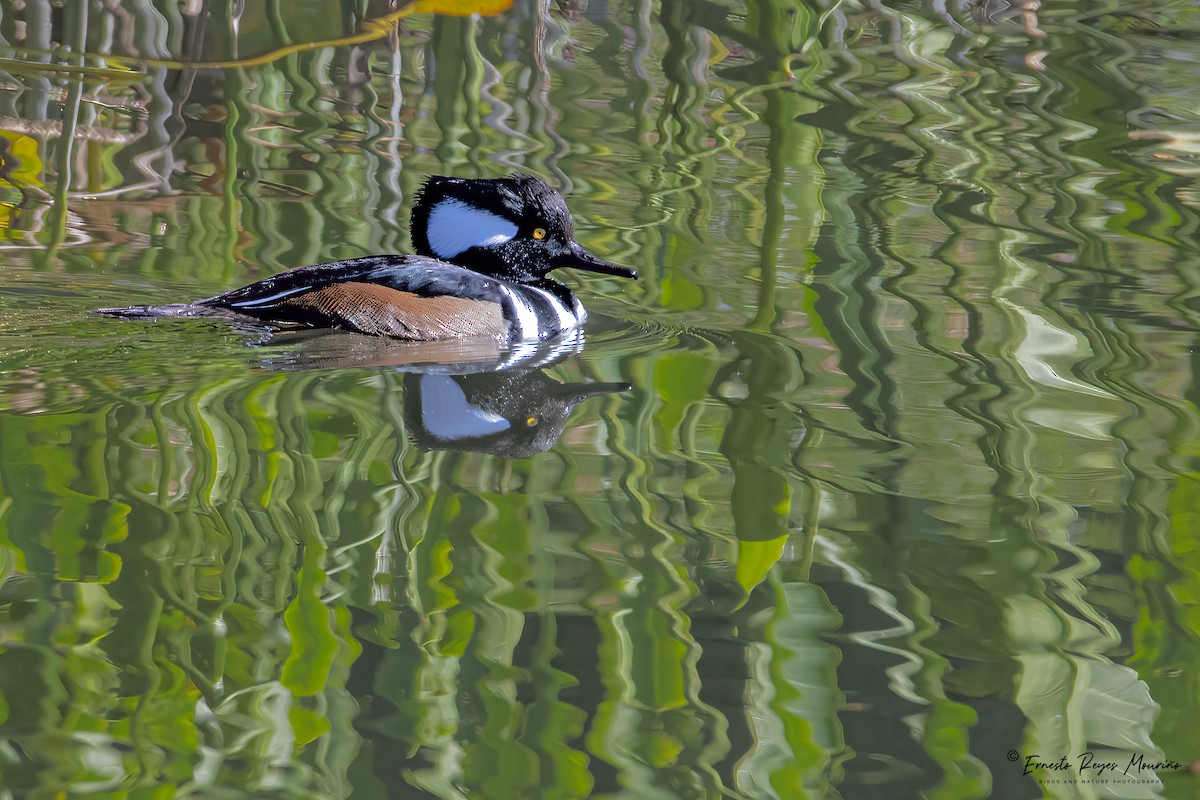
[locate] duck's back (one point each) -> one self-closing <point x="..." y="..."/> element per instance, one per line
<point x="407" y="297"/>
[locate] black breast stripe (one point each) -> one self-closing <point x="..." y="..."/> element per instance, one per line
<point x="553" y="315"/>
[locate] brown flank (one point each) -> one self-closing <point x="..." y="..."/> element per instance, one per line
<point x="382" y="311"/>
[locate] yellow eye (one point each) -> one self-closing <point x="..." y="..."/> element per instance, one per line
<point x="539" y="233"/>
<point x="532" y="420"/>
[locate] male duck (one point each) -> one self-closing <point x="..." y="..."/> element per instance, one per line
<point x="484" y="249"/>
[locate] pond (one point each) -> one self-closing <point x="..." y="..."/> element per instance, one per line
<point x="881" y="482"/>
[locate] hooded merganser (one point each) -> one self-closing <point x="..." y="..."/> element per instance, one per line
<point x="484" y="249"/>
<point x="514" y="413"/>
<point x="470" y="395"/>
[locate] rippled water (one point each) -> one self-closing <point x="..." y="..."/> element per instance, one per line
<point x="890" y="482"/>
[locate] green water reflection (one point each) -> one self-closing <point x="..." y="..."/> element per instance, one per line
<point x="896" y="473"/>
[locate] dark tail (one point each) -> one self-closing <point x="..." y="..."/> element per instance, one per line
<point x="176" y="310"/>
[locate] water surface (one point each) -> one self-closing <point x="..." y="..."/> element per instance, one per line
<point x="893" y="477"/>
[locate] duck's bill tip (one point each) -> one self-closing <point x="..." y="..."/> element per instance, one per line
<point x="577" y="392"/>
<point x="578" y="258"/>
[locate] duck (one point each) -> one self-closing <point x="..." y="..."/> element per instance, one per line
<point x="484" y="248"/>
<point x="514" y="413"/>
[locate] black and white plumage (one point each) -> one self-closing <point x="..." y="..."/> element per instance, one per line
<point x="512" y="413"/>
<point x="484" y="250"/>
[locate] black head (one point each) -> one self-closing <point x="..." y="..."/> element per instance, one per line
<point x="514" y="414"/>
<point x="517" y="228"/>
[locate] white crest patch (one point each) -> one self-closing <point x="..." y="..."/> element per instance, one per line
<point x="449" y="415"/>
<point x="455" y="226"/>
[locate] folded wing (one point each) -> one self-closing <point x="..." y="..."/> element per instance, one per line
<point x="406" y="297"/>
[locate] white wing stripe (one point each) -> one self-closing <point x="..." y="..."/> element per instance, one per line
<point x="258" y="301"/>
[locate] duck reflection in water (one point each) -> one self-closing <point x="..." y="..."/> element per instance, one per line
<point x="517" y="413"/>
<point x="466" y="396"/>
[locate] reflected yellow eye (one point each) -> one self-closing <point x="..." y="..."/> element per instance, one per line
<point x="539" y="233"/>
<point x="532" y="420"/>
